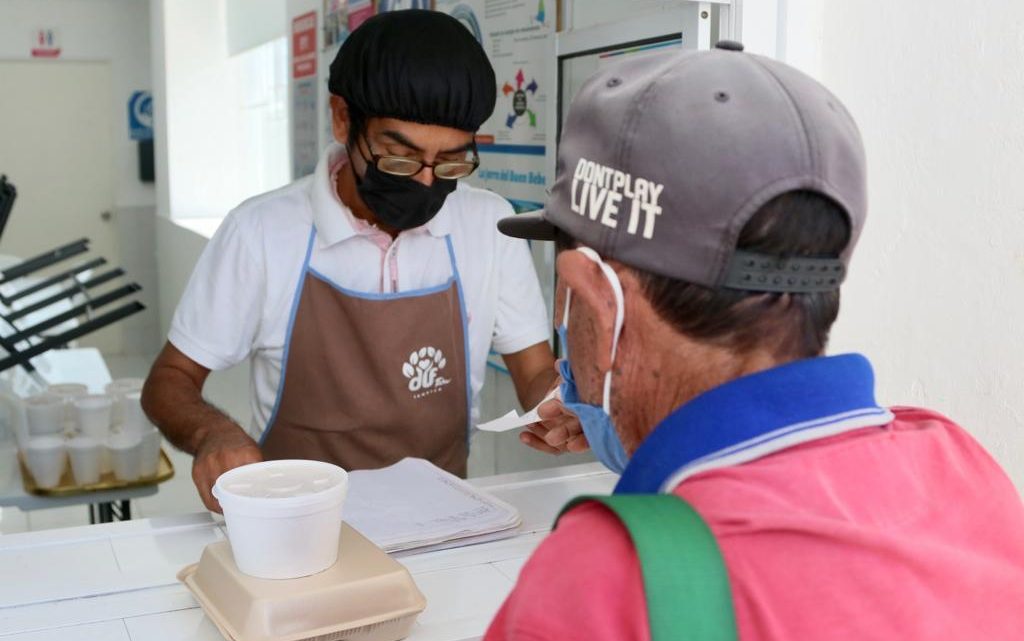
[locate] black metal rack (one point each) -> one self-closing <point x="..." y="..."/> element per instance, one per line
<point x="23" y="343"/>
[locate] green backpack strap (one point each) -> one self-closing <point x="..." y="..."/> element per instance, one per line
<point x="685" y="581"/>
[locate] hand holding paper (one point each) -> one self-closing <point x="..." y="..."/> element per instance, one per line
<point x="513" y="420"/>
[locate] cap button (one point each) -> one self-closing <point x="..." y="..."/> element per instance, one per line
<point x="729" y="45"/>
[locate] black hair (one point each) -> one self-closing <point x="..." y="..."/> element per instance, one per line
<point x="414" y="65"/>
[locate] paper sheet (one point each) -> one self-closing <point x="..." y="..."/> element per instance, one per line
<point x="513" y="420"/>
<point x="414" y="504"/>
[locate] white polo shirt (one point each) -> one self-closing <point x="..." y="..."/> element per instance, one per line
<point x="239" y="298"/>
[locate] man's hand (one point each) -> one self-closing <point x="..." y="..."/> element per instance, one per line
<point x="558" y="431"/>
<point x="173" y="400"/>
<point x="221" y="450"/>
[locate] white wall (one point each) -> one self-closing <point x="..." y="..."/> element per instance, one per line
<point x="179" y="248"/>
<point x="116" y="31"/>
<point x="198" y="84"/>
<point x="936" y="293"/>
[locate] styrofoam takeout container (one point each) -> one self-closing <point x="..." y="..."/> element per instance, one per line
<point x="365" y="596"/>
<point x="283" y="517"/>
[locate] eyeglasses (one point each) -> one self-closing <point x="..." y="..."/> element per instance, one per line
<point x="406" y="167"/>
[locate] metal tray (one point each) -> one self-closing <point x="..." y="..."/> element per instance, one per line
<point x="68" y="487"/>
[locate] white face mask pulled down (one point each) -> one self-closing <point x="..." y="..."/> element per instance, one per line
<point x="596" y="421"/>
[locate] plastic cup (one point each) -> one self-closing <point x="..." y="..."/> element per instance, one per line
<point x="149" y="452"/>
<point x="283" y="517"/>
<point x="45" y="414"/>
<point x="125" y="452"/>
<point x="133" y="419"/>
<point x="46" y="457"/>
<point x="119" y="389"/>
<point x="93" y="415"/>
<point x="69" y="392"/>
<point x="86" y="454"/>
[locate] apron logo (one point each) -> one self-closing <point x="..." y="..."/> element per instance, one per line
<point x="423" y="371"/>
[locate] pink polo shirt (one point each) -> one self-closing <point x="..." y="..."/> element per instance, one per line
<point x="908" y="531"/>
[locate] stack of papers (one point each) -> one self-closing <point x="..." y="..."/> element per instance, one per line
<point x="415" y="505"/>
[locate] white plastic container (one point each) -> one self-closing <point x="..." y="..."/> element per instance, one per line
<point x="283" y="517"/>
<point x="93" y="415"/>
<point x="46" y="458"/>
<point x="45" y="414"/>
<point x="86" y="454"/>
<point x="149" y="452"/>
<point x="125" y="455"/>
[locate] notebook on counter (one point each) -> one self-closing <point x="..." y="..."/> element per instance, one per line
<point x="415" y="505"/>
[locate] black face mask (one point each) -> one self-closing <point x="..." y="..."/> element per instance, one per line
<point x="399" y="202"/>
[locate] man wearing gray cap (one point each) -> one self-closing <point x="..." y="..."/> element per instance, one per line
<point x="706" y="207"/>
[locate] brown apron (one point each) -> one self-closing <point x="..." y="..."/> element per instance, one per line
<point x="368" y="379"/>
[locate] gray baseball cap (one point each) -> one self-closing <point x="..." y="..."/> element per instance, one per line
<point x="663" y="159"/>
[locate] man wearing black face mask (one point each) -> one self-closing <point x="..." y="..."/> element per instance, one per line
<point x="369" y="294"/>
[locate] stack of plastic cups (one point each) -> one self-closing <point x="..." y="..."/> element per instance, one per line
<point x="134" y="421"/>
<point x="44" y="450"/>
<point x="125" y="452"/>
<point x="69" y="392"/>
<point x="45" y="415"/>
<point x="118" y="389"/>
<point x="46" y="459"/>
<point x="86" y="454"/>
<point x="92" y="417"/>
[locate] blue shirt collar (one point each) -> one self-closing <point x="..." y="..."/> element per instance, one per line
<point x="753" y="416"/>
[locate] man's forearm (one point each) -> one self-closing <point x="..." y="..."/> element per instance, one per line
<point x="538" y="388"/>
<point x="176" y="406"/>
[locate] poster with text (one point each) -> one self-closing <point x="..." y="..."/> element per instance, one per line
<point x="515" y="35"/>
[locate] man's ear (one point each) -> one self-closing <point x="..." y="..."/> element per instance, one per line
<point x="340" y="123"/>
<point x="591" y="289"/>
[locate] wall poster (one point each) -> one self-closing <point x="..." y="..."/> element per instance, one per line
<point x="515" y="34"/>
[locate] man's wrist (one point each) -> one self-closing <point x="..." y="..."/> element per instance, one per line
<point x="212" y="429"/>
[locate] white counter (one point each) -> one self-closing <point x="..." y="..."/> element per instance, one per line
<point x="116" y="582"/>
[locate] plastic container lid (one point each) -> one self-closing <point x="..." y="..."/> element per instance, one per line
<point x="365" y="596"/>
<point x="281" y="488"/>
